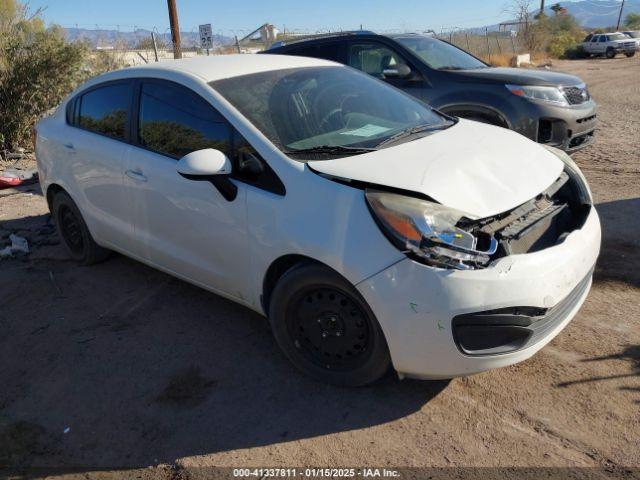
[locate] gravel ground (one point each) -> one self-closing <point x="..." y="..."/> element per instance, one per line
<point x="122" y="371"/>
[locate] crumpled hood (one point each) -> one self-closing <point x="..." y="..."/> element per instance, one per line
<point x="473" y="167"/>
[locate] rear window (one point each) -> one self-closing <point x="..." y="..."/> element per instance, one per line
<point x="329" y="51"/>
<point x="105" y="110"/>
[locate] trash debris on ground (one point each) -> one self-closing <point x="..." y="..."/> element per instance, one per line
<point x="15" y="174"/>
<point x="18" y="245"/>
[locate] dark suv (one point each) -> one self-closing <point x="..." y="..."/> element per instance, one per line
<point x="548" y="107"/>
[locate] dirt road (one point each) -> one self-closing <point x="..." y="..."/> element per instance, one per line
<point x="118" y="367"/>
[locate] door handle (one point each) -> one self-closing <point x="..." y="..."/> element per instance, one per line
<point x="136" y="175"/>
<point x="69" y="146"/>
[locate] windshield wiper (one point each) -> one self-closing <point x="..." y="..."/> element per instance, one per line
<point x="329" y="150"/>
<point x="409" y="132"/>
<point x="451" y="67"/>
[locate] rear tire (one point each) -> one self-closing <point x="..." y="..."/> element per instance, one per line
<point x="611" y="53"/>
<point x="326" y="328"/>
<point x="74" y="233"/>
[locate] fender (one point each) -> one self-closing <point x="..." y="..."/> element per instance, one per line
<point x="477" y="108"/>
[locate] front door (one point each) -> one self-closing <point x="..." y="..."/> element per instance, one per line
<point x="374" y="58"/>
<point x="184" y="226"/>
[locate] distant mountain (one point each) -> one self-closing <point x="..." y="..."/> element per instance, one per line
<point x="598" y="13"/>
<point x="110" y="38"/>
<point x="589" y="13"/>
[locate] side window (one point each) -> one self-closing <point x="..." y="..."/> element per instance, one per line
<point x="595" y="38"/>
<point x="249" y="167"/>
<point x="373" y="58"/>
<point x="328" y="51"/>
<point x="175" y="121"/>
<point x="105" y="110"/>
<point x="604" y="38"/>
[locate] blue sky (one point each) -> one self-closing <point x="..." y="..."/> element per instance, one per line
<point x="236" y="17"/>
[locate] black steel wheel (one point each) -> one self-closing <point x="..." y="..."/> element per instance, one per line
<point x="70" y="229"/>
<point x="326" y="328"/>
<point x="329" y="328"/>
<point x="73" y="231"/>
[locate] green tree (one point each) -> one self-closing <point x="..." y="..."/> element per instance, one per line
<point x="632" y="21"/>
<point x="38" y="67"/>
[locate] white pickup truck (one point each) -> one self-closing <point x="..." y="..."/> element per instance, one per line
<point x="608" y="44"/>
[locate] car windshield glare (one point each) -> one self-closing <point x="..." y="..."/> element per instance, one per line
<point x="440" y="55"/>
<point x="618" y="36"/>
<point x="325" y="111"/>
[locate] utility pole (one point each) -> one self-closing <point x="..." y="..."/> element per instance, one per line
<point x="175" y="28"/>
<point x="155" y="45"/>
<point x="541" y="8"/>
<point x="620" y="16"/>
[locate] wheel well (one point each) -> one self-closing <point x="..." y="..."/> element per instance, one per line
<point x="51" y="192"/>
<point x="275" y="272"/>
<point x="490" y="116"/>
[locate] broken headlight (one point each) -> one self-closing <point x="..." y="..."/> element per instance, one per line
<point x="430" y="232"/>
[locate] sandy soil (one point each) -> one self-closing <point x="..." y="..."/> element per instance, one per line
<point x="151" y="377"/>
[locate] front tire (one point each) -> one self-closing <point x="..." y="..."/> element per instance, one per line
<point x="629" y="54"/>
<point x="74" y="233"/>
<point x="610" y="53"/>
<point x="326" y="328"/>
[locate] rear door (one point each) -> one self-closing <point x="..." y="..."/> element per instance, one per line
<point x="96" y="147"/>
<point x="375" y="57"/>
<point x="184" y="226"/>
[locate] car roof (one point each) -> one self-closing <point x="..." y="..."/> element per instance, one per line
<point x="217" y="67"/>
<point x="341" y="35"/>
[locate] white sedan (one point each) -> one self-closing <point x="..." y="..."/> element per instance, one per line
<point x="373" y="231"/>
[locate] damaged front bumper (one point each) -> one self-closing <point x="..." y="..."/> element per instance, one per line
<point x="416" y="304"/>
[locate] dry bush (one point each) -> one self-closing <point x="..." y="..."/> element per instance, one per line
<point x="37" y="69"/>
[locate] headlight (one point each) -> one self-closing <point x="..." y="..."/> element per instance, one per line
<point x="546" y="94"/>
<point x="575" y="173"/>
<point x="430" y="232"/>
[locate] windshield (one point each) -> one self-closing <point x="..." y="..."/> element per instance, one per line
<point x="440" y="55"/>
<point x="617" y="36"/>
<point x="334" y="110"/>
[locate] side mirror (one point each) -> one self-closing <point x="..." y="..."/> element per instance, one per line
<point x="399" y="71"/>
<point x="209" y="165"/>
<point x="204" y="163"/>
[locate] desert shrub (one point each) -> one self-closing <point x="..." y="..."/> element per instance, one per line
<point x="632" y="21"/>
<point x="38" y="67"/>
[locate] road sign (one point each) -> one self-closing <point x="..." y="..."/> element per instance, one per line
<point x="206" y="36"/>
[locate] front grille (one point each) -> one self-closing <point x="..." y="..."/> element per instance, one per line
<point x="576" y="95"/>
<point x="506" y="330"/>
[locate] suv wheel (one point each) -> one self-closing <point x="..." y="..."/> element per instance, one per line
<point x="74" y="233"/>
<point x="630" y="54"/>
<point x="326" y="328"/>
<point x="610" y="52"/>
